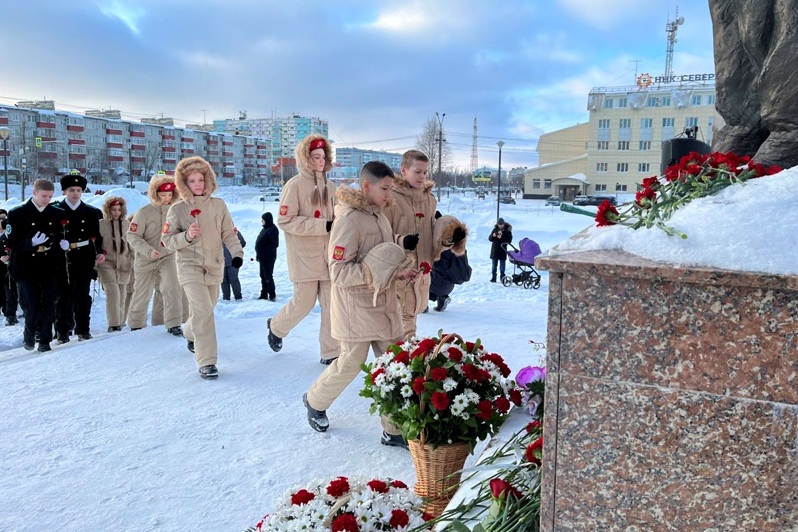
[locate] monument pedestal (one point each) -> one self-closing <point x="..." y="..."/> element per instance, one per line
<point x="671" y="397"/>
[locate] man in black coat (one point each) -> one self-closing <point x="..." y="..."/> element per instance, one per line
<point x="36" y="243"/>
<point x="266" y="253"/>
<point x="81" y="229"/>
<point x="502" y="234"/>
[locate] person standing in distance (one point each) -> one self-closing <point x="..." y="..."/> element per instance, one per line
<point x="306" y="217"/>
<point x="36" y="242"/>
<point x="266" y="254"/>
<point x="81" y="228"/>
<point x="502" y="233"/>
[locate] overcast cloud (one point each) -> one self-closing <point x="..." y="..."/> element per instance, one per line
<point x="376" y="70"/>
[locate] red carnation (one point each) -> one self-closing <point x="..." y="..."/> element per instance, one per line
<point x="402" y="357"/>
<point x="399" y="518"/>
<point x="502" y="405"/>
<point x="499" y="488"/>
<point x="455" y="354"/>
<point x="607" y="214"/>
<point x="439" y="374"/>
<point x="418" y="385"/>
<point x="195" y="212"/>
<point x="425" y="268"/>
<point x="428" y="344"/>
<point x="376" y="374"/>
<point x="317" y="214"/>
<point x="485" y="409"/>
<point x="301" y="497"/>
<point x="536" y="445"/>
<point x="419" y="215"/>
<point x="345" y="523"/>
<point x="533" y="426"/>
<point x="378" y="485"/>
<point x="338" y="487"/>
<point x="399" y="484"/>
<point x="515" y="397"/>
<point x="440" y="400"/>
<point x="64" y="223"/>
<point x="470" y="347"/>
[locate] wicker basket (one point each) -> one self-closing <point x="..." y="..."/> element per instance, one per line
<point x="437" y="473"/>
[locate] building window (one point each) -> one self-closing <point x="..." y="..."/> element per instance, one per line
<point x="608" y="103"/>
<point x="644" y="167"/>
<point x="603" y="145"/>
<point x="646" y="123"/>
<point x="623" y="167"/>
<point x="696" y="100"/>
<point x="665" y="101"/>
<point x="623" y="145"/>
<point x="600" y="167"/>
<point x="711" y="99"/>
<point x="620" y="188"/>
<point x="668" y="122"/>
<point x="625" y="123"/>
<point x="653" y="101"/>
<point x="536" y="183"/>
<point x="645" y="145"/>
<point x="604" y="123"/>
<point x="601" y="188"/>
<point x="621" y="102"/>
<point x="547" y="183"/>
<point x="691" y="121"/>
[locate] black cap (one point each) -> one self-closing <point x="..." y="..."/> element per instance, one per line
<point x="73" y="179"/>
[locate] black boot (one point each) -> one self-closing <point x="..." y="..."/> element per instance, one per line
<point x="493" y="279"/>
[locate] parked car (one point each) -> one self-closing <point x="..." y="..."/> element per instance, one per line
<point x="580" y="200"/>
<point x="553" y="200"/>
<point x="599" y="199"/>
<point x="506" y="198"/>
<point x="270" y="196"/>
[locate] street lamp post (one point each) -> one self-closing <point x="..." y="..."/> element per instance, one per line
<point x="499" y="180"/>
<point x="440" y="150"/>
<point x="130" y="159"/>
<point x="4" y="133"/>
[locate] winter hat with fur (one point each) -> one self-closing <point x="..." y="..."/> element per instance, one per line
<point x="442" y="232"/>
<point x="382" y="262"/>
<point x="109" y="202"/>
<point x="188" y="166"/>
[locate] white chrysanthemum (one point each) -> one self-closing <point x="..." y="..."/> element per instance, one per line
<point x="449" y="384"/>
<point x="406" y="391"/>
<point x="471" y="396"/>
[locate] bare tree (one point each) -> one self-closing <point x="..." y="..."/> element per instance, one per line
<point x="427" y="142"/>
<point x="152" y="158"/>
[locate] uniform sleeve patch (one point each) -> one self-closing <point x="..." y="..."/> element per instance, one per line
<point x="134" y="226"/>
<point x="283" y="210"/>
<point x="165" y="227"/>
<point x="339" y="252"/>
<point x="235" y="230"/>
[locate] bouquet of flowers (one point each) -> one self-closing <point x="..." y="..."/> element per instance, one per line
<point x="346" y="505"/>
<point x="532" y="380"/>
<point x="441" y="390"/>
<point x="694" y="176"/>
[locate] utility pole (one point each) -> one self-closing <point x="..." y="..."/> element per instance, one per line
<point x="440" y="151"/>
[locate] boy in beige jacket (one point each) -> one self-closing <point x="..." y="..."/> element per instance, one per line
<point x="364" y="261"/>
<point x="195" y="228"/>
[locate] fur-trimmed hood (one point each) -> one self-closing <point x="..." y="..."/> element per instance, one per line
<point x="302" y="152"/>
<point x="442" y="233"/>
<point x="187" y="167"/>
<point x="107" y="207"/>
<point x="355" y="198"/>
<point x="156" y="182"/>
<point x="401" y="185"/>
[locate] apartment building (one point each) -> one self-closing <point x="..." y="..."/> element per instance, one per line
<point x="45" y="142"/>
<point x="284" y="131"/>
<point x="349" y="161"/>
<point x="621" y="144"/>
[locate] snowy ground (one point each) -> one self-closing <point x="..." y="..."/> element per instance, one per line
<point x="120" y="433"/>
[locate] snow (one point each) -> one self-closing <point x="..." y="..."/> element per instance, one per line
<point x="120" y="433"/>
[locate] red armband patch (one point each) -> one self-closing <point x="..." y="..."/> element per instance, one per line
<point x="235" y="230"/>
<point x="283" y="210"/>
<point x="134" y="226"/>
<point x="339" y="252"/>
<point x="165" y="228"/>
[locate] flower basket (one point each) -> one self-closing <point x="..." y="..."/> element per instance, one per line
<point x="437" y="472"/>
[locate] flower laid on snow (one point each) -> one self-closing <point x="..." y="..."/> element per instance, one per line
<point x="694" y="176"/>
<point x="460" y="392"/>
<point x="346" y="504"/>
<point x="532" y="381"/>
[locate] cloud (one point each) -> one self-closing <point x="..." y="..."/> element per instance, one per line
<point x="604" y="13"/>
<point x="129" y="16"/>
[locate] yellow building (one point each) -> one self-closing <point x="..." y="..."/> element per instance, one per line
<point x="622" y="143"/>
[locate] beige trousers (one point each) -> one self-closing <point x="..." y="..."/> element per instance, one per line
<point x="343" y="370"/>
<point x="165" y="276"/>
<point x="201" y="327"/>
<point x="157" y="307"/>
<point x="300" y="305"/>
<point x="413" y="299"/>
<point x="116" y="303"/>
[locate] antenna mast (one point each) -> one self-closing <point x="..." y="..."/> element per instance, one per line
<point x="474" y="156"/>
<point x="670" y="29"/>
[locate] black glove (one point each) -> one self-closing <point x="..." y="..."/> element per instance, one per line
<point x="237" y="262"/>
<point x="438" y="214"/>
<point x="410" y="242"/>
<point x="458" y="235"/>
<point x="329" y="225"/>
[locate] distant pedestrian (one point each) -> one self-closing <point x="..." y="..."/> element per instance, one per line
<point x="502" y="233"/>
<point x="230" y="279"/>
<point x="448" y="271"/>
<point x="115" y="272"/>
<point x="266" y="254"/>
<point x="195" y="228"/>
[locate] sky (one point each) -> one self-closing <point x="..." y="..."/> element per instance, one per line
<point x="376" y="70"/>
<point x="120" y="433"/>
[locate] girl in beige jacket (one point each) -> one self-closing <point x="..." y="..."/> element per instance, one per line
<point x="195" y="228"/>
<point x="363" y="265"/>
<point x="114" y="273"/>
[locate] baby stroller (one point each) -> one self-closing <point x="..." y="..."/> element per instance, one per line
<point x="523" y="260"/>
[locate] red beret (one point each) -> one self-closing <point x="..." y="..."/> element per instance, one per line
<point x="167" y="187"/>
<point x="316" y="144"/>
<point x="115" y="202"/>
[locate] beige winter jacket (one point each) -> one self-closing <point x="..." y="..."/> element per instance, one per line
<point x="407" y="202"/>
<point x="146" y="227"/>
<point x="118" y="264"/>
<point x="200" y="260"/>
<point x="358" y="227"/>
<point x="306" y="205"/>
